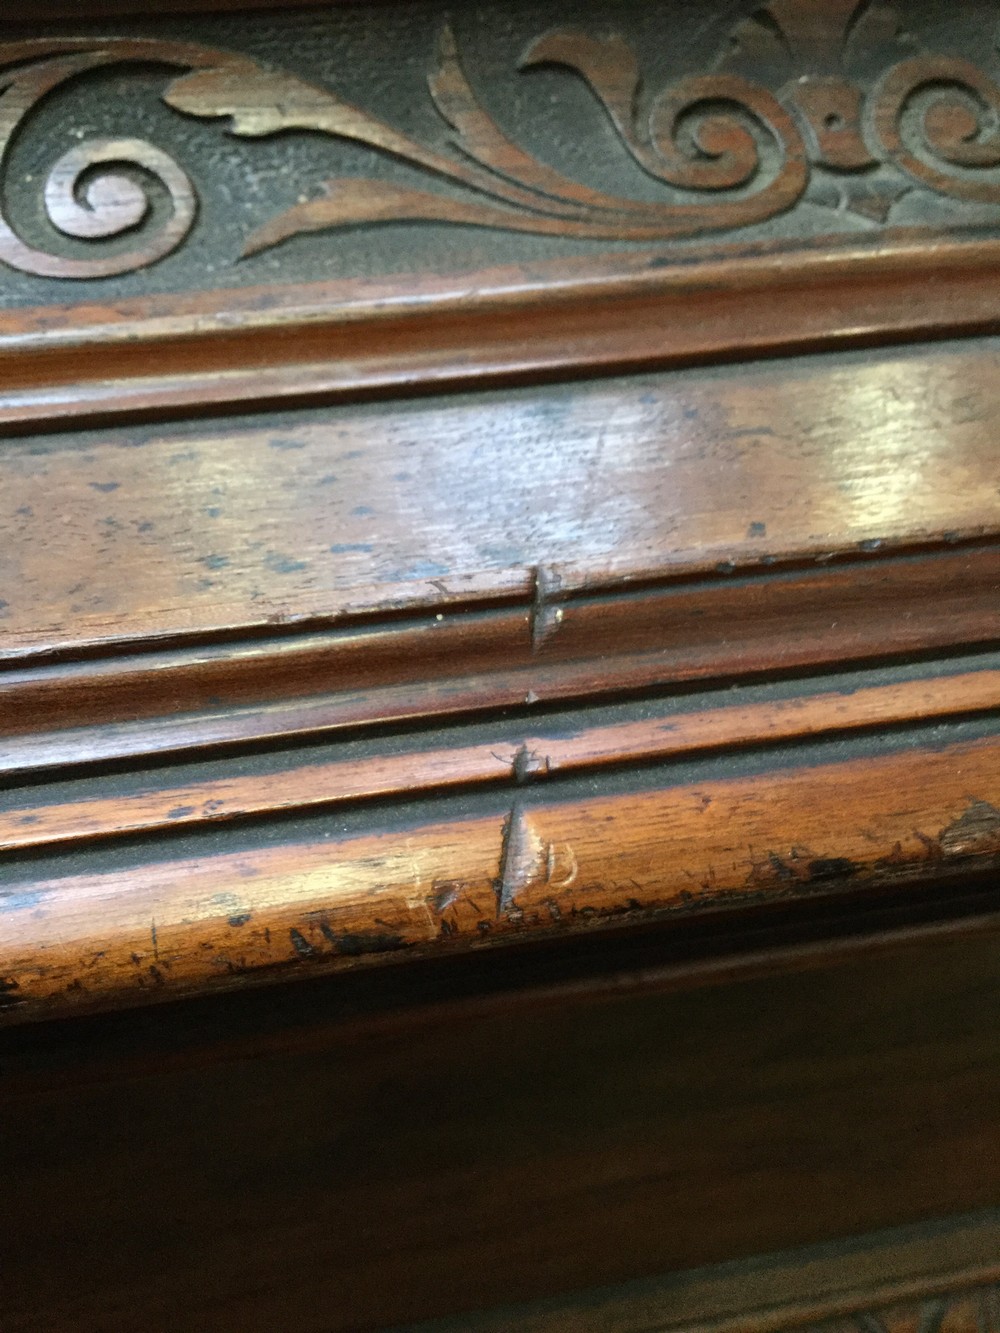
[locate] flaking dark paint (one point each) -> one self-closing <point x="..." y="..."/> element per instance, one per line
<point x="300" y="944"/>
<point x="353" y="944"/>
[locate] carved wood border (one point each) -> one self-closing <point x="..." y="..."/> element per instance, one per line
<point x="782" y="111"/>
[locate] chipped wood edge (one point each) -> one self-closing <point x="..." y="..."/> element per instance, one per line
<point x="163" y="927"/>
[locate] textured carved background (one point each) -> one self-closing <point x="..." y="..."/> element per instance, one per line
<point x="320" y="144"/>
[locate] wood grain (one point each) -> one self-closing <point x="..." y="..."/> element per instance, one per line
<point x="294" y="344"/>
<point x="438" y="1162"/>
<point x="578" y="678"/>
<point x="810" y="157"/>
<point x="165" y="926"/>
<point x="317" y="516"/>
<point x="399" y="769"/>
<point x="397" y="672"/>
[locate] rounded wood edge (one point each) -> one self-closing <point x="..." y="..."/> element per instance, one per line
<point x="257" y="347"/>
<point x="163" y="922"/>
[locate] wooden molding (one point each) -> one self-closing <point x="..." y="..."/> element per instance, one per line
<point x="509" y="867"/>
<point x="297" y="345"/>
<point x="275" y="588"/>
<point x="815" y="229"/>
<point x="359" y="754"/>
<point x="500" y="529"/>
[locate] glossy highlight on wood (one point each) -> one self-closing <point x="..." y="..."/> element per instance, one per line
<point x="319" y="516"/>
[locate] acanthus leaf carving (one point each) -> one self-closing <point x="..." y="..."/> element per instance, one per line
<point x="729" y="150"/>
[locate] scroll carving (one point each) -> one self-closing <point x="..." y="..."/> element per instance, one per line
<point x="780" y="119"/>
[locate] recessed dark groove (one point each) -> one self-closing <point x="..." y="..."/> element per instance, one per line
<point x="459" y="801"/>
<point x="715" y="690"/>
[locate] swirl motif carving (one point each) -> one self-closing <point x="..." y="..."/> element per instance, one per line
<point x="80" y="200"/>
<point x="728" y="150"/>
<point x="957" y="127"/>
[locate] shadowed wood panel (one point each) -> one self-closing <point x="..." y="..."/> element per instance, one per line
<point x="278" y="1166"/>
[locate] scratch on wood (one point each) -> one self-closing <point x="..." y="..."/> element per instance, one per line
<point x="300" y="944"/>
<point x="556" y="853"/>
<point x="521" y="858"/>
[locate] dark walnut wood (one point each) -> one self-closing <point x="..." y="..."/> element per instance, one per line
<point x="500" y="641"/>
<point x="832" y="146"/>
<point x="338" y="1156"/>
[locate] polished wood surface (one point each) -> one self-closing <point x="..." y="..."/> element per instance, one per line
<point x="213" y="920"/>
<point x="220" y="794"/>
<point x="500" y="541"/>
<point x="317" y="516"/>
<point x="402" y="671"/>
<point x="811" y="533"/>
<point x="273" y="346"/>
<point x="316" y="1158"/>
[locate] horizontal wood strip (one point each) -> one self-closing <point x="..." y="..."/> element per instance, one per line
<point x="183" y="699"/>
<point x="301" y="343"/>
<point x="200" y="923"/>
<point x="362" y="510"/>
<point x="402" y="770"/>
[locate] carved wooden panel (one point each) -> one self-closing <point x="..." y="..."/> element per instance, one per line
<point x="318" y="205"/>
<point x="471" y="543"/>
<point x="607" y="124"/>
